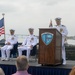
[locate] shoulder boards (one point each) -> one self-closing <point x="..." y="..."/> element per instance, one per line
<point x="14" y="35"/>
<point x="34" y="35"/>
<point x="63" y="25"/>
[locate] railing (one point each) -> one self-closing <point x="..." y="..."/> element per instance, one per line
<point x="70" y="51"/>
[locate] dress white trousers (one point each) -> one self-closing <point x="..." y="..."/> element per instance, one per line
<point x="5" y="51"/>
<point x="63" y="54"/>
<point x="22" y="48"/>
<point x="63" y="51"/>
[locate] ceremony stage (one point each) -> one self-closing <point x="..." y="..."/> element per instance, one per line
<point x="36" y="69"/>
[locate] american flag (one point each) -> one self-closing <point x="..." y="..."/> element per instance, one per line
<point x="2" y="30"/>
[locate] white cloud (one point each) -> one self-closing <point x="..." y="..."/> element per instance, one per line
<point x="22" y="14"/>
<point x="8" y="7"/>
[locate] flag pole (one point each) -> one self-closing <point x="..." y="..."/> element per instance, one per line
<point x="4" y="27"/>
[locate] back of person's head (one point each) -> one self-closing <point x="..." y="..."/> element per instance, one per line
<point x="1" y="72"/>
<point x="21" y="63"/>
<point x="72" y="71"/>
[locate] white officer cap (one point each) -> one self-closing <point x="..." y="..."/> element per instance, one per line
<point x="31" y="29"/>
<point x="12" y="30"/>
<point x="57" y="18"/>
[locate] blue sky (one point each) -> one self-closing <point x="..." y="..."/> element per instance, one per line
<point x="23" y="14"/>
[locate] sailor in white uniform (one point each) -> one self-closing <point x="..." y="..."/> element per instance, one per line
<point x="28" y="44"/>
<point x="5" y="50"/>
<point x="63" y="30"/>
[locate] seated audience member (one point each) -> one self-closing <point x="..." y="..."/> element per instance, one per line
<point x="72" y="71"/>
<point x="1" y="72"/>
<point x="22" y="66"/>
<point x="5" y="50"/>
<point x="28" y="43"/>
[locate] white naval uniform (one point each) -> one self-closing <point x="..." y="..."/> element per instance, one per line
<point x="64" y="34"/>
<point x="26" y="45"/>
<point x="5" y="50"/>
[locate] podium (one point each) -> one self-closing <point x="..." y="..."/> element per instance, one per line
<point x="50" y="46"/>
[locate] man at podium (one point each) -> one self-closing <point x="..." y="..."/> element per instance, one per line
<point x="63" y="30"/>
